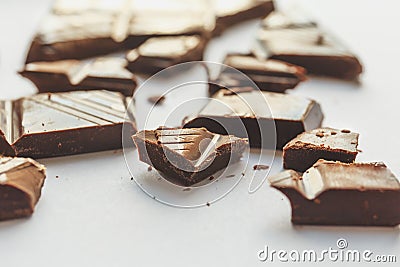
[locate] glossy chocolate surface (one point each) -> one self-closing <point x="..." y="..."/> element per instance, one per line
<point x="336" y="193"/>
<point x="298" y="40"/>
<point x="256" y="114"/>
<point x="107" y="73"/>
<point x="187" y="156"/>
<point x="21" y="181"/>
<point x="158" y="53"/>
<point x="269" y="75"/>
<point x="57" y="124"/>
<point x="322" y="143"/>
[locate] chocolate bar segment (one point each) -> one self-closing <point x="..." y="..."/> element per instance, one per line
<point x="269" y="75"/>
<point x="59" y="124"/>
<point x="298" y="40"/>
<point x="188" y="156"/>
<point x="108" y="73"/>
<point x="258" y="115"/>
<point x="322" y="143"/>
<point x="159" y="53"/>
<point x="336" y="193"/>
<point x="21" y="181"/>
<point x="91" y="29"/>
<point x="231" y="12"/>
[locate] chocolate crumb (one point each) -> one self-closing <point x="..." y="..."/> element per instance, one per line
<point x="333" y="133"/>
<point x="320" y="134"/>
<point x="259" y="167"/>
<point x="346" y="131"/>
<point x="242" y="173"/>
<point x="42" y="124"/>
<point x="208" y="204"/>
<point x="57" y="177"/>
<point x="131" y="178"/>
<point x="211" y="178"/>
<point x="359" y="150"/>
<point x="156" y="100"/>
<point x="230" y="176"/>
<point x="149" y="169"/>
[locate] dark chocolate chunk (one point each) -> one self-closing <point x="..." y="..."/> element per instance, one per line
<point x="336" y="193"/>
<point x="58" y="124"/>
<point x="300" y="41"/>
<point x="21" y="181"/>
<point x="88" y="29"/>
<point x="231" y="12"/>
<point x="159" y="53"/>
<point x="188" y="156"/>
<point x="269" y="75"/>
<point x="323" y="143"/>
<point x="246" y="114"/>
<point x="108" y="73"/>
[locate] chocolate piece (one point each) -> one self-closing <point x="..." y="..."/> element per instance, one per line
<point x="259" y="167"/>
<point x="95" y="29"/>
<point x="231" y="12"/>
<point x="301" y="42"/>
<point x="159" y="53"/>
<point x="156" y="100"/>
<point x="21" y="182"/>
<point x="269" y="75"/>
<point x="107" y="73"/>
<point x="58" y="124"/>
<point x="247" y="114"/>
<point x="323" y="143"/>
<point x="188" y="156"/>
<point x="335" y="193"/>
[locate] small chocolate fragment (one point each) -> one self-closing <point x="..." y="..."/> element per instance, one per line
<point x="323" y="143"/>
<point x="159" y="53"/>
<point x="231" y="12"/>
<point x="156" y="100"/>
<point x="298" y="40"/>
<point x="58" y="124"/>
<point x="188" y="156"/>
<point x="269" y="75"/>
<point x="336" y="193"/>
<point x="259" y="167"/>
<point x="21" y="181"/>
<point x="108" y="73"/>
<point x="247" y="114"/>
<point x="89" y="28"/>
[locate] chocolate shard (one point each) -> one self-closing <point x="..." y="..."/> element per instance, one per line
<point x="258" y="115"/>
<point x="158" y="53"/>
<point x="59" y="124"/>
<point x="268" y="75"/>
<point x="188" y="156"/>
<point x="322" y="143"/>
<point x="231" y="12"/>
<point x="336" y="193"/>
<point x="91" y="28"/>
<point x="108" y="73"/>
<point x="298" y="40"/>
<point x="21" y="181"/>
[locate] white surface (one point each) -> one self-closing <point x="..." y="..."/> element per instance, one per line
<point x="94" y="215"/>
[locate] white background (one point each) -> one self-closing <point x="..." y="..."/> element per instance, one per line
<point x="94" y="215"/>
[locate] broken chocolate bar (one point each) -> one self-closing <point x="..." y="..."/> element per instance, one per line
<point x="300" y="41"/>
<point x="336" y="193"/>
<point x="258" y="115"/>
<point x="269" y="75"/>
<point x="159" y="53"/>
<point x="21" y="181"/>
<point x="88" y="29"/>
<point x="108" y="73"/>
<point x="58" y="124"/>
<point x="231" y="12"/>
<point x="188" y="156"/>
<point x="323" y="143"/>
